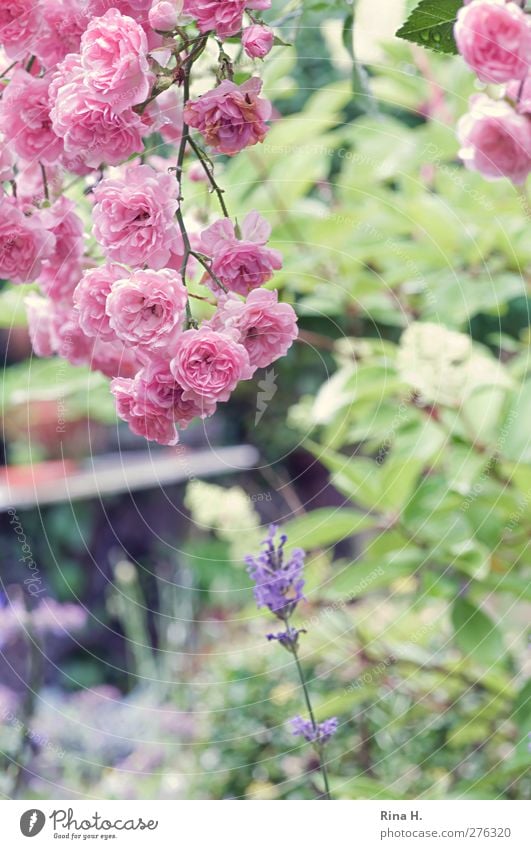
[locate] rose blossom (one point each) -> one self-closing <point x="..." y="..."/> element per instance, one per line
<point x="495" y="140"/>
<point x="257" y="41"/>
<point x="90" y="297"/>
<point x="70" y="342"/>
<point x="134" y="217"/>
<point x="63" y="24"/>
<point x="209" y="365"/>
<point x="222" y="16"/>
<point x="265" y="328"/>
<point x="494" y="39"/>
<point x="115" y="62"/>
<point x="25" y="119"/>
<point x="20" y="21"/>
<point x="137" y="9"/>
<point x="24" y="243"/>
<point x="148" y="308"/>
<point x="145" y="418"/>
<point x="113" y="359"/>
<point x="92" y="131"/>
<point x="156" y="384"/>
<point x="164" y="14"/>
<point x="230" y="117"/>
<point x="241" y="264"/>
<point x="40" y="313"/>
<point x="62" y="269"/>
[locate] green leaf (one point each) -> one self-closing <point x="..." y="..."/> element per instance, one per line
<point x="366" y="576"/>
<point x="476" y="634"/>
<point x="326" y="526"/>
<point x="431" y="24"/>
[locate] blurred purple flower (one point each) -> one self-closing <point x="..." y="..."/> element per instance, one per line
<point x="318" y="734"/>
<point x="51" y="617"/>
<point x="279" y="582"/>
<point x="288" y="638"/>
<point x="48" y="617"/>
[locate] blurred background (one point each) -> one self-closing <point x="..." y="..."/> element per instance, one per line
<point x="392" y="443"/>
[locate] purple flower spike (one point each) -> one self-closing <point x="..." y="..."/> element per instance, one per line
<point x="288" y="638"/>
<point x="279" y="583"/>
<point x="319" y="735"/>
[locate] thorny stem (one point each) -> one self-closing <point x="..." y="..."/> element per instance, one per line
<point x="45" y="182"/>
<point x="209" y="271"/>
<point x="186" y="68"/>
<point x="179" y="174"/>
<point x="209" y="172"/>
<point x="322" y="764"/>
<point x="8" y="69"/>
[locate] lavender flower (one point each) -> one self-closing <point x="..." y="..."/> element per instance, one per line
<point x="318" y="734"/>
<point x="278" y="586"/>
<point x="288" y="638"/>
<point x="279" y="583"/>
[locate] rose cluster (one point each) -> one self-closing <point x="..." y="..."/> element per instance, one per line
<point x="87" y="85"/>
<point x="494" y="39"/>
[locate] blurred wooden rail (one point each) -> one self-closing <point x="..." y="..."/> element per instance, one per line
<point x="111" y="474"/>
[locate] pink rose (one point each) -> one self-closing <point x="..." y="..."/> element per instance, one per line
<point x="40" y="313"/>
<point x="495" y="140"/>
<point x="164" y="15"/>
<point x="494" y="39"/>
<point x="241" y="264"/>
<point x="62" y="269"/>
<point x="25" y="119"/>
<point x="155" y="384"/>
<point x="113" y="359"/>
<point x="63" y="24"/>
<point x="137" y="9"/>
<point x="145" y="418"/>
<point x="230" y="117"/>
<point x="115" y="61"/>
<point x="208" y="365"/>
<point x="148" y="308"/>
<point x="222" y="16"/>
<point x="257" y="41"/>
<point x="92" y="131"/>
<point x="70" y="342"/>
<point x="20" y="21"/>
<point x="134" y="217"/>
<point x="90" y="297"/>
<point x="264" y="327"/>
<point x="24" y="243"/>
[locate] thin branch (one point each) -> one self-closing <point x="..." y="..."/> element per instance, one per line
<point x="210" y="174"/>
<point x="209" y="271"/>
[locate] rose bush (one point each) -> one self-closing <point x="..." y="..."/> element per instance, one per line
<point x="89" y="85"/>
